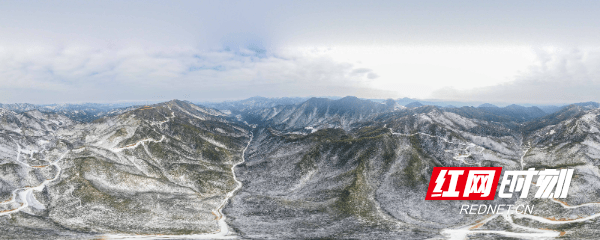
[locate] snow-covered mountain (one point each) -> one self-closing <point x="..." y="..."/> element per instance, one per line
<point x="160" y="169"/>
<point x="320" y="113"/>
<point x="85" y="112"/>
<point x="321" y="168"/>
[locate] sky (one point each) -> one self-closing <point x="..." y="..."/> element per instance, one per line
<point x="117" y="51"/>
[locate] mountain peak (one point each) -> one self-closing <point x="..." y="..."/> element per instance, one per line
<point x="488" y="105"/>
<point x="514" y="106"/>
<point x="414" y="105"/>
<point x="588" y="104"/>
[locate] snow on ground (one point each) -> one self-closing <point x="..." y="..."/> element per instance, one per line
<point x="312" y="129"/>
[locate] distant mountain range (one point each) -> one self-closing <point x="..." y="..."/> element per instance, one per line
<point x="87" y="112"/>
<point x="80" y="112"/>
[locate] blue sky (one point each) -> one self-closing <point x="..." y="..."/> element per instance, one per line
<point x="110" y="51"/>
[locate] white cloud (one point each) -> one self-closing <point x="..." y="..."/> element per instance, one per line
<point x="418" y="70"/>
<point x="559" y="76"/>
<point x="81" y="73"/>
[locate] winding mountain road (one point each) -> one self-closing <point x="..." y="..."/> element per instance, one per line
<point x="222" y="233"/>
<point x="24" y="196"/>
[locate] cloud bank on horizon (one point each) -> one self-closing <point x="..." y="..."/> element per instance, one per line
<point x="109" y="51"/>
